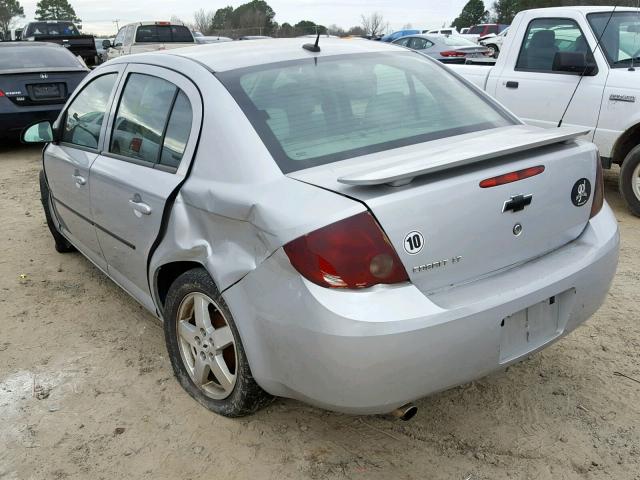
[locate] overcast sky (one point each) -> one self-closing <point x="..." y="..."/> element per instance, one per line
<point x="98" y="15"/>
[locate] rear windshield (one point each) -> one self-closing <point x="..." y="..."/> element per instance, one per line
<point x="59" y="28"/>
<point x="311" y="113"/>
<point x="17" y="58"/>
<point x="163" y="34"/>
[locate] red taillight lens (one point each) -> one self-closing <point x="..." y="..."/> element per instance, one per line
<point x="512" y="177"/>
<point x="351" y="253"/>
<point x="598" y="194"/>
<point x="1" y="93"/>
<point x="452" y="53"/>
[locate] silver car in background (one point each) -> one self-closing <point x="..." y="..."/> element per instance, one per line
<point x="446" y="48"/>
<point x="354" y="227"/>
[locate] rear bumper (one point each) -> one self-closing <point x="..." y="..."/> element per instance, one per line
<point x="12" y="124"/>
<point x="372" y="351"/>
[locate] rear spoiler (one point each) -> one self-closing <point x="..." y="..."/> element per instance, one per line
<point x="444" y="156"/>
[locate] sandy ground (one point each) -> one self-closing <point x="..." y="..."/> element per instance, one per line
<point x="87" y="391"/>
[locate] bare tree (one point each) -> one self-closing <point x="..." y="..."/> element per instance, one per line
<point x="407" y="26"/>
<point x="374" y="24"/>
<point x="203" y="21"/>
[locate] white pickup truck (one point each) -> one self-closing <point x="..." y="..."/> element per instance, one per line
<point x="551" y="53"/>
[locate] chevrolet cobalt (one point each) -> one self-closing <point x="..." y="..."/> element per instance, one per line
<point x="348" y="224"/>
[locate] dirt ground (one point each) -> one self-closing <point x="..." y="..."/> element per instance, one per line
<point x="87" y="391"/>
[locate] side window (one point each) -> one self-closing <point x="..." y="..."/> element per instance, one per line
<point x="403" y="41"/>
<point x="84" y="116"/>
<point x="420" y="43"/>
<point x="544" y="38"/>
<point x="178" y="130"/>
<point x="142" y="115"/>
<point x="153" y="121"/>
<point x="120" y="36"/>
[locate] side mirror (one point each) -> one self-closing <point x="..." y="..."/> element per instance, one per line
<point x="575" y="62"/>
<point x="117" y="45"/>
<point x="106" y="44"/>
<point x="38" y="133"/>
<point x="79" y="27"/>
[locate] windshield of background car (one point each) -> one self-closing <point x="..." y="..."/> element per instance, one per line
<point x="163" y="34"/>
<point x="320" y="110"/>
<point x="620" y="36"/>
<point x="16" y="58"/>
<point x="44" y="28"/>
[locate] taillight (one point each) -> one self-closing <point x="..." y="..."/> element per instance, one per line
<point x="1" y="93"/>
<point x="512" y="177"/>
<point x="598" y="195"/>
<point x="351" y="253"/>
<point x="452" y="53"/>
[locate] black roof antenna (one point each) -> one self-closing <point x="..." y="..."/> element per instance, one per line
<point x="585" y="70"/>
<point x="312" y="47"/>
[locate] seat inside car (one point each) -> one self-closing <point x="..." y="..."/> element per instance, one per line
<point x="542" y="50"/>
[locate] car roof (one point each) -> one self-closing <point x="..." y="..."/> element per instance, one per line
<point x="220" y="57"/>
<point x="584" y="9"/>
<point x="30" y="44"/>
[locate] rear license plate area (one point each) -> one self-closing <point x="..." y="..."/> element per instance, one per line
<point x="47" y="91"/>
<point x="533" y="327"/>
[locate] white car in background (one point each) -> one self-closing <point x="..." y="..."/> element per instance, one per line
<point x="141" y="37"/>
<point x="494" y="42"/>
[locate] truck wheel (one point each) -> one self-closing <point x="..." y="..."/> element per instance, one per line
<point x="630" y="180"/>
<point x="62" y="244"/>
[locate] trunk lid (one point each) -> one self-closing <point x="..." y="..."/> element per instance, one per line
<point x="465" y="232"/>
<point x="42" y="88"/>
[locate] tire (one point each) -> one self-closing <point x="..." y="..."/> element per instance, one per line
<point x="244" y="396"/>
<point x="62" y="245"/>
<point x="496" y="50"/>
<point x="630" y="180"/>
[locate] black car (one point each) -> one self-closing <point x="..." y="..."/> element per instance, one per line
<point x="36" y="80"/>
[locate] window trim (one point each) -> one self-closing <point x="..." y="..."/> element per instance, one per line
<point x="107" y="110"/>
<point x="551" y="72"/>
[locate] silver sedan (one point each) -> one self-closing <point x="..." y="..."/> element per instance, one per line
<point x="349" y="224"/>
<point x="446" y="48"/>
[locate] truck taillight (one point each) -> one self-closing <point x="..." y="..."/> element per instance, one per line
<point x="351" y="253"/>
<point x="598" y="194"/>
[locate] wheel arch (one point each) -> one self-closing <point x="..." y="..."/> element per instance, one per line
<point x="167" y="273"/>
<point x="625" y="143"/>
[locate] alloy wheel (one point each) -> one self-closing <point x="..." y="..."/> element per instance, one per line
<point x="207" y="345"/>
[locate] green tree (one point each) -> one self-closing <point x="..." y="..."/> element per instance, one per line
<point x="505" y="10"/>
<point x="222" y="20"/>
<point x="255" y="16"/>
<point x="472" y="14"/>
<point x="56" y="10"/>
<point x="9" y="9"/>
<point x="307" y="27"/>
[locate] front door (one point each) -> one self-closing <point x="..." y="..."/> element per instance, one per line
<point x="539" y="95"/>
<point x="153" y="132"/>
<point x="67" y="163"/>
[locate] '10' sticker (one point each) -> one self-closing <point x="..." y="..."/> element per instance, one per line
<point x="413" y="243"/>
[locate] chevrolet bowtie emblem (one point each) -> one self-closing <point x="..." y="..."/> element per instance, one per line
<point x="517" y="203"/>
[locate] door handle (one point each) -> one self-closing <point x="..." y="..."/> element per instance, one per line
<point x="139" y="206"/>
<point x="79" y="179"/>
<point x="512" y="84"/>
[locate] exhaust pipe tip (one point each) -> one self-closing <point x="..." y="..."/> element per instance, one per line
<point x="405" y="412"/>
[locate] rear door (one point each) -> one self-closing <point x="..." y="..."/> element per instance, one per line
<point x="68" y="162"/>
<point x="153" y="131"/>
